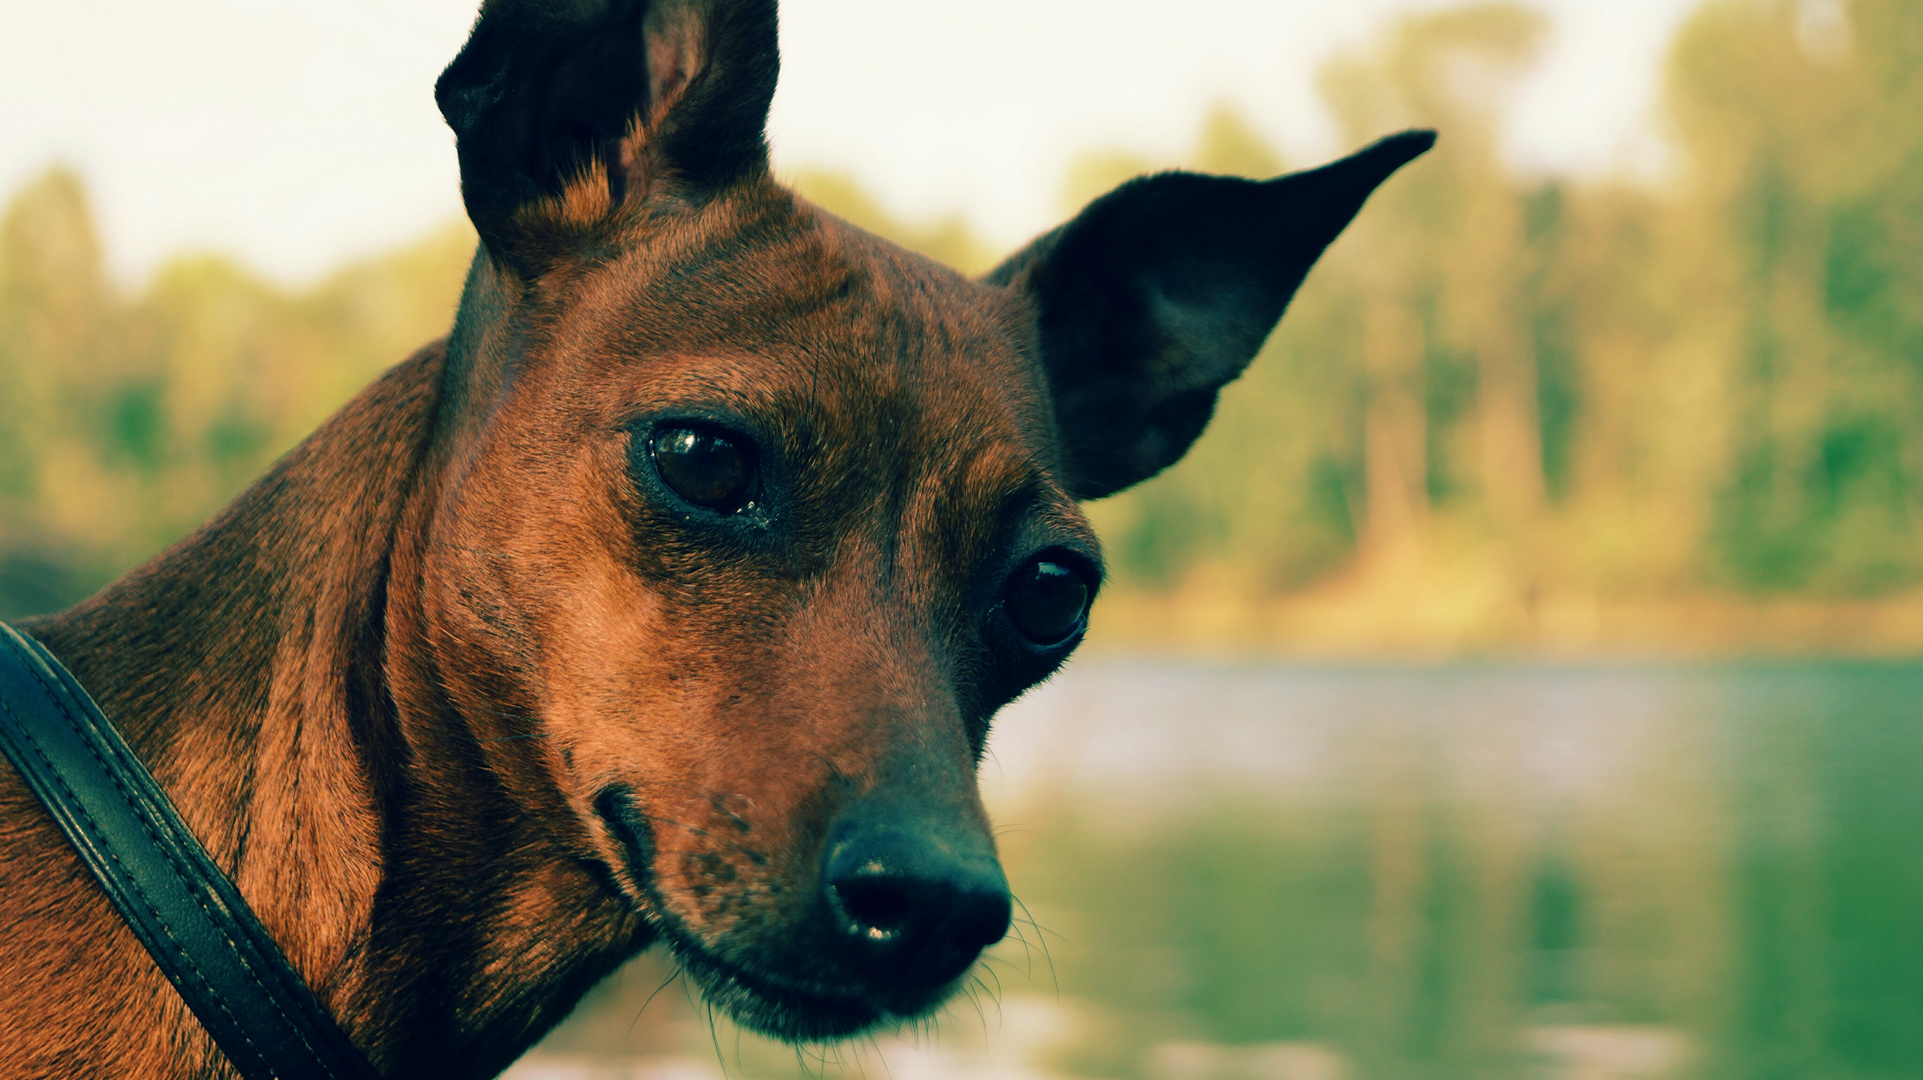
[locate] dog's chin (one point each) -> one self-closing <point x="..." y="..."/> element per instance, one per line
<point x="781" y="1010"/>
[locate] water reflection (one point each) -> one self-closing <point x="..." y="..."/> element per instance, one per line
<point x="1266" y="873"/>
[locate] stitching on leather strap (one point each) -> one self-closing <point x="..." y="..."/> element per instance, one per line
<point x="131" y="880"/>
<point x="267" y="972"/>
<point x="182" y="870"/>
<point x="188" y="873"/>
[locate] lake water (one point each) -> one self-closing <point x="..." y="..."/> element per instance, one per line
<point x="1338" y="873"/>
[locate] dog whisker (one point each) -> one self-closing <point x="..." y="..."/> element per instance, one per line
<point x="714" y="1038"/>
<point x="996" y="992"/>
<point x="1041" y="937"/>
<point x="672" y="976"/>
<point x="1028" y="955"/>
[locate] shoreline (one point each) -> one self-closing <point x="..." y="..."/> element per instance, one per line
<point x="1359" y="621"/>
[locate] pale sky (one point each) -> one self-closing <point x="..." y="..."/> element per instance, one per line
<point x="297" y="135"/>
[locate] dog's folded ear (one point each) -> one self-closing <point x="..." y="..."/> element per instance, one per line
<point x="564" y="110"/>
<point x="1162" y="291"/>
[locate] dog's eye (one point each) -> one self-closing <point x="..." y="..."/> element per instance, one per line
<point x="706" y="467"/>
<point x="1047" y="601"/>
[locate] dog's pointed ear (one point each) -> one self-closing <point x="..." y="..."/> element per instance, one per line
<point x="571" y="108"/>
<point x="1162" y="291"/>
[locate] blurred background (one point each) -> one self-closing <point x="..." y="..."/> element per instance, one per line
<point x="1515" y="681"/>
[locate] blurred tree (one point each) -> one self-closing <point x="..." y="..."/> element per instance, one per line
<point x="1447" y="342"/>
<point x="73" y="409"/>
<point x="1589" y="389"/>
<point x="1807" y="165"/>
<point x="127" y="421"/>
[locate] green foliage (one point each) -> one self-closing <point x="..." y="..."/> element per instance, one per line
<point x="1806" y="158"/>
<point x="129" y="419"/>
<point x="1608" y="389"/>
<point x="1724" y="368"/>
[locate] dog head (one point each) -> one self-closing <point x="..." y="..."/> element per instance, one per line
<point x="752" y="520"/>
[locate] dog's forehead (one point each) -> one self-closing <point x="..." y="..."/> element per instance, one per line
<point x="800" y="318"/>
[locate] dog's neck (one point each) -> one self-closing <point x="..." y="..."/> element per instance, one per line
<point x="273" y="671"/>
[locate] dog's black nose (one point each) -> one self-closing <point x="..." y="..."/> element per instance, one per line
<point x="913" y="911"/>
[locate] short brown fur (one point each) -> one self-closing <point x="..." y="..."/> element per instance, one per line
<point x="397" y="687"/>
<point x="302" y="674"/>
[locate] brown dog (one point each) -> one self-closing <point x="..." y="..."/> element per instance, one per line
<point x="667" y="599"/>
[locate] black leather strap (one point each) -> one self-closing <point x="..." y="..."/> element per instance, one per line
<point x="182" y="908"/>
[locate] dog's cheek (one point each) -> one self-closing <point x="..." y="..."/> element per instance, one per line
<point x="637" y="694"/>
<point x="608" y="689"/>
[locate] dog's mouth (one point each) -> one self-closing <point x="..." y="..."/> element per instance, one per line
<point x="769" y="1005"/>
<point x="766" y="1002"/>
